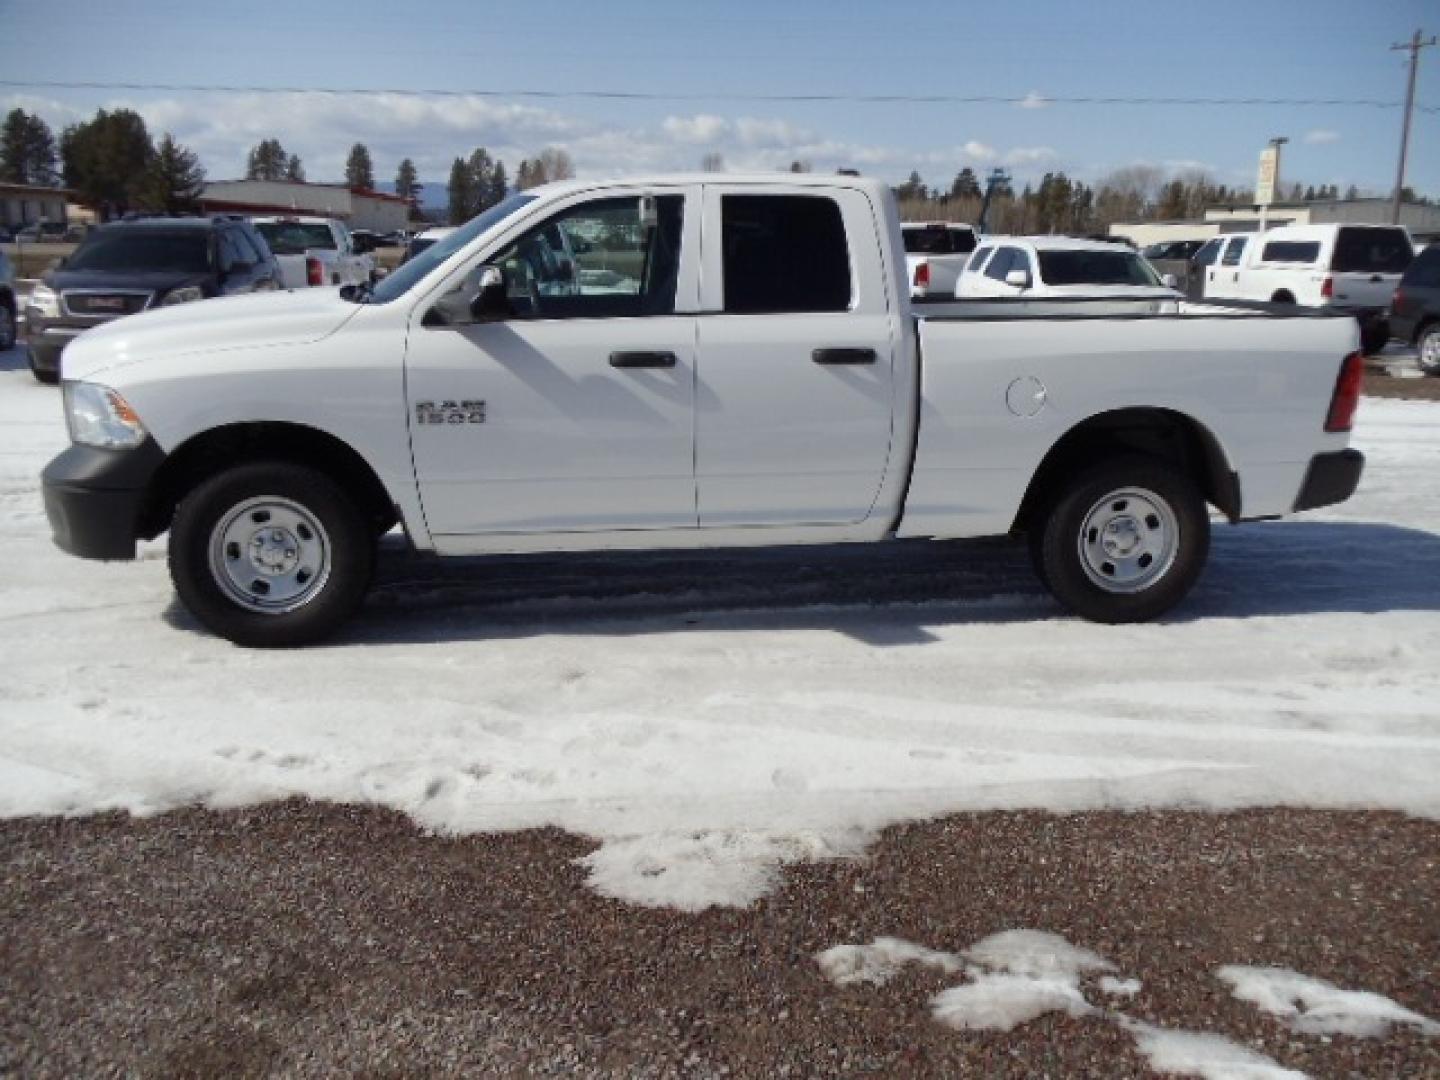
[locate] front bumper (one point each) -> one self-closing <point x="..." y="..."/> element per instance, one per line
<point x="1330" y="479"/>
<point x="94" y="498"/>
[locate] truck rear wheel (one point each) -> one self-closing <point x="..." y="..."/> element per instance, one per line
<point x="271" y="554"/>
<point x="1124" y="542"/>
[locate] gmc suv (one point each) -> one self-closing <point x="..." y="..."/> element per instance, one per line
<point x="129" y="266"/>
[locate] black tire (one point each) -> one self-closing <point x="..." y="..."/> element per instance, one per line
<point x="1374" y="335"/>
<point x="1428" y="342"/>
<point x="7" y="324"/>
<point x="1152" y="507"/>
<point x="231" y="504"/>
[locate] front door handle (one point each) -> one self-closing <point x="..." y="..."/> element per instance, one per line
<point x="843" y="356"/>
<point x="642" y="359"/>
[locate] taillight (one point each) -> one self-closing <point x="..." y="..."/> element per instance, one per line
<point x="922" y="275"/>
<point x="1327" y="288"/>
<point x="1397" y="302"/>
<point x="314" y="271"/>
<point x="1347" y="394"/>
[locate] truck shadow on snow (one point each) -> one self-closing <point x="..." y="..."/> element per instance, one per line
<point x="883" y="595"/>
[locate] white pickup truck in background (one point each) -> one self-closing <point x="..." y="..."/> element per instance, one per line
<point x="728" y="361"/>
<point x="315" y="251"/>
<point x="1345" y="268"/>
<point x="935" y="254"/>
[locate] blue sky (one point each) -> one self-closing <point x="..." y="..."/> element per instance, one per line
<point x="698" y="58"/>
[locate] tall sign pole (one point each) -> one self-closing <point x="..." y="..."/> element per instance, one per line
<point x="1413" y="47"/>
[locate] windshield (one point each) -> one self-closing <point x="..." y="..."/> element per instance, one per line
<point x="143" y="249"/>
<point x="296" y="237"/>
<point x="399" y="283"/>
<point x="1095" y="268"/>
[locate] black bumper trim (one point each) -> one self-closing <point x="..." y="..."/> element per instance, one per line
<point x="1331" y="479"/>
<point x="93" y="498"/>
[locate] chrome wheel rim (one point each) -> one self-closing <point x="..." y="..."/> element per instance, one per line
<point x="1430" y="351"/>
<point x="1128" y="540"/>
<point x="270" y="555"/>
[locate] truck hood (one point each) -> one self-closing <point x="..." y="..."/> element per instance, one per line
<point x="256" y="320"/>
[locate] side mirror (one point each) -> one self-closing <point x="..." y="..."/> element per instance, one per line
<point x="1018" y="278"/>
<point x="1170" y="281"/>
<point x="490" y="303"/>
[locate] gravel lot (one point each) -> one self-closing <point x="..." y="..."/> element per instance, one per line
<point x="306" y="939"/>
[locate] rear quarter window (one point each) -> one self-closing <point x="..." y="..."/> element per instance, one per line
<point x="1371" y="251"/>
<point x="1294" y="252"/>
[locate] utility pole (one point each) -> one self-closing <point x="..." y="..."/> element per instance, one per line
<point x="1413" y="47"/>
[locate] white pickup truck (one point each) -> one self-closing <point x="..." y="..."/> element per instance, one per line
<point x="314" y="251"/>
<point x="730" y="361"/>
<point x="935" y="254"/>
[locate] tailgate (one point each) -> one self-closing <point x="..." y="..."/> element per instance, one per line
<point x="1365" y="290"/>
<point x="292" y="270"/>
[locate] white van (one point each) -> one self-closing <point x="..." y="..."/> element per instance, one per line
<point x="1353" y="268"/>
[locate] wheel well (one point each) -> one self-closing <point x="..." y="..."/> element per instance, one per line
<point x="1283" y="296"/>
<point x="205" y="454"/>
<point x="1160" y="433"/>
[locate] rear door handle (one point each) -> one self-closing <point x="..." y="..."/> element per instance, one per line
<point x="642" y="359"/>
<point x="843" y="356"/>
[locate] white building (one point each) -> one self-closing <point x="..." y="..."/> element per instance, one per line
<point x="357" y="207"/>
<point x="1421" y="219"/>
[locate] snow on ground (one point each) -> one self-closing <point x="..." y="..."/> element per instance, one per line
<point x="708" y="717"/>
<point x="1316" y="1007"/>
<point x="1015" y="976"/>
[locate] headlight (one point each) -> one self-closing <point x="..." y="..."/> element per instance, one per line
<point x="44" y="300"/>
<point x="99" y="416"/>
<point x="182" y="296"/>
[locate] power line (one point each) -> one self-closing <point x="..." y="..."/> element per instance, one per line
<point x="1031" y="100"/>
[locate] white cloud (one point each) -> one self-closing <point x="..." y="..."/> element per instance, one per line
<point x="1322" y="135"/>
<point x="432" y="131"/>
<point x="1033" y="100"/>
<point x="1029" y="155"/>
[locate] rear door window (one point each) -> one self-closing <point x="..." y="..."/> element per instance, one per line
<point x="1371" y="251"/>
<point x="1001" y="264"/>
<point x="784" y="253"/>
<point x="1233" y="250"/>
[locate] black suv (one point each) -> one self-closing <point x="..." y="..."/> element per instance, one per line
<point x="128" y="266"/>
<point x="1415" y="310"/>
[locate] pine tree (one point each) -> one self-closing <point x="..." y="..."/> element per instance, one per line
<point x="107" y="159"/>
<point x="268" y="161"/>
<point x="295" y="169"/>
<point x="499" y="185"/>
<point x="27" y="150"/>
<point x="407" y="180"/>
<point x="462" y="192"/>
<point x="481" y="167"/>
<point x="966" y="185"/>
<point x="359" y="169"/>
<point x="174" y="182"/>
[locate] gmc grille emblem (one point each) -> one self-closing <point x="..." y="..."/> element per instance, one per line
<point x="450" y="412"/>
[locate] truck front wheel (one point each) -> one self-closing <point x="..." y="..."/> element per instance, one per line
<point x="270" y="554"/>
<point x="1124" y="541"/>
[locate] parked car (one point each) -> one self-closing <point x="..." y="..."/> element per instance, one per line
<point x="758" y="383"/>
<point x="423" y="239"/>
<point x="129" y="266"/>
<point x="1349" y="268"/>
<point x="315" y="251"/>
<point x="47" y="232"/>
<point x="9" y="306"/>
<point x="1042" y="267"/>
<point x="1415" y="309"/>
<point x="935" y="253"/>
